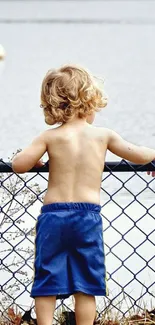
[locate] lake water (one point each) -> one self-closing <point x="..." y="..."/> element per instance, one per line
<point x="113" y="39"/>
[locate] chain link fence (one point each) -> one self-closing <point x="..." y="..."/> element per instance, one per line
<point x="128" y="210"/>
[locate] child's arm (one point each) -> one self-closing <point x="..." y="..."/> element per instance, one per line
<point x="30" y="156"/>
<point x="129" y="151"/>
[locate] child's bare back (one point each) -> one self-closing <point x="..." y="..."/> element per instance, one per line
<point x="76" y="162"/>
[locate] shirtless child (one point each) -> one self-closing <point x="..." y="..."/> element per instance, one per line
<point x="69" y="257"/>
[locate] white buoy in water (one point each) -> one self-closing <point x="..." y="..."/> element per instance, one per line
<point x="2" y="52"/>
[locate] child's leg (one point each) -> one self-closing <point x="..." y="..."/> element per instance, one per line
<point x="45" y="307"/>
<point x="85" y="309"/>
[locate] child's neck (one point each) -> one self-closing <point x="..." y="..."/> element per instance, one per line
<point x="76" y="121"/>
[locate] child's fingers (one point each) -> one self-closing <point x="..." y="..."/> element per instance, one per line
<point x="151" y="173"/>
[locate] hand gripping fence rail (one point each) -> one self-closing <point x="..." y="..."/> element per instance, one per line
<point x="128" y="210"/>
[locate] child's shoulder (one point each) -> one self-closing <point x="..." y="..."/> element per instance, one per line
<point x="46" y="134"/>
<point x="102" y="131"/>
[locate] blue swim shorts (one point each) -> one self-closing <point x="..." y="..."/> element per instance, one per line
<point x="69" y="251"/>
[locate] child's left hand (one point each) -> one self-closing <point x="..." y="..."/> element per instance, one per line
<point x="40" y="163"/>
<point x="151" y="173"/>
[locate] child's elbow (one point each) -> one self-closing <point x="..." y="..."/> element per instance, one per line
<point x="17" y="167"/>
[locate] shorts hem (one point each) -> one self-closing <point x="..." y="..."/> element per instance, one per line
<point x="66" y="293"/>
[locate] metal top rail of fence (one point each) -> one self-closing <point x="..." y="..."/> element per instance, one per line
<point x="128" y="212"/>
<point x="112" y="166"/>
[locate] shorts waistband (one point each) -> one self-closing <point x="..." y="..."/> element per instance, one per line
<point x="71" y="206"/>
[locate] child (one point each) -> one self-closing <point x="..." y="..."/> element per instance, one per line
<point x="69" y="257"/>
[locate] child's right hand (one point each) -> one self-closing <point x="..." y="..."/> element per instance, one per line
<point x="151" y="173"/>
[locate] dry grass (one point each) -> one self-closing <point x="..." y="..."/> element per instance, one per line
<point x="146" y="317"/>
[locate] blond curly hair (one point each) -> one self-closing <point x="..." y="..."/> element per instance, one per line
<point x="70" y="91"/>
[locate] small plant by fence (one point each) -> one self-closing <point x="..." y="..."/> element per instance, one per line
<point x="128" y="210"/>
